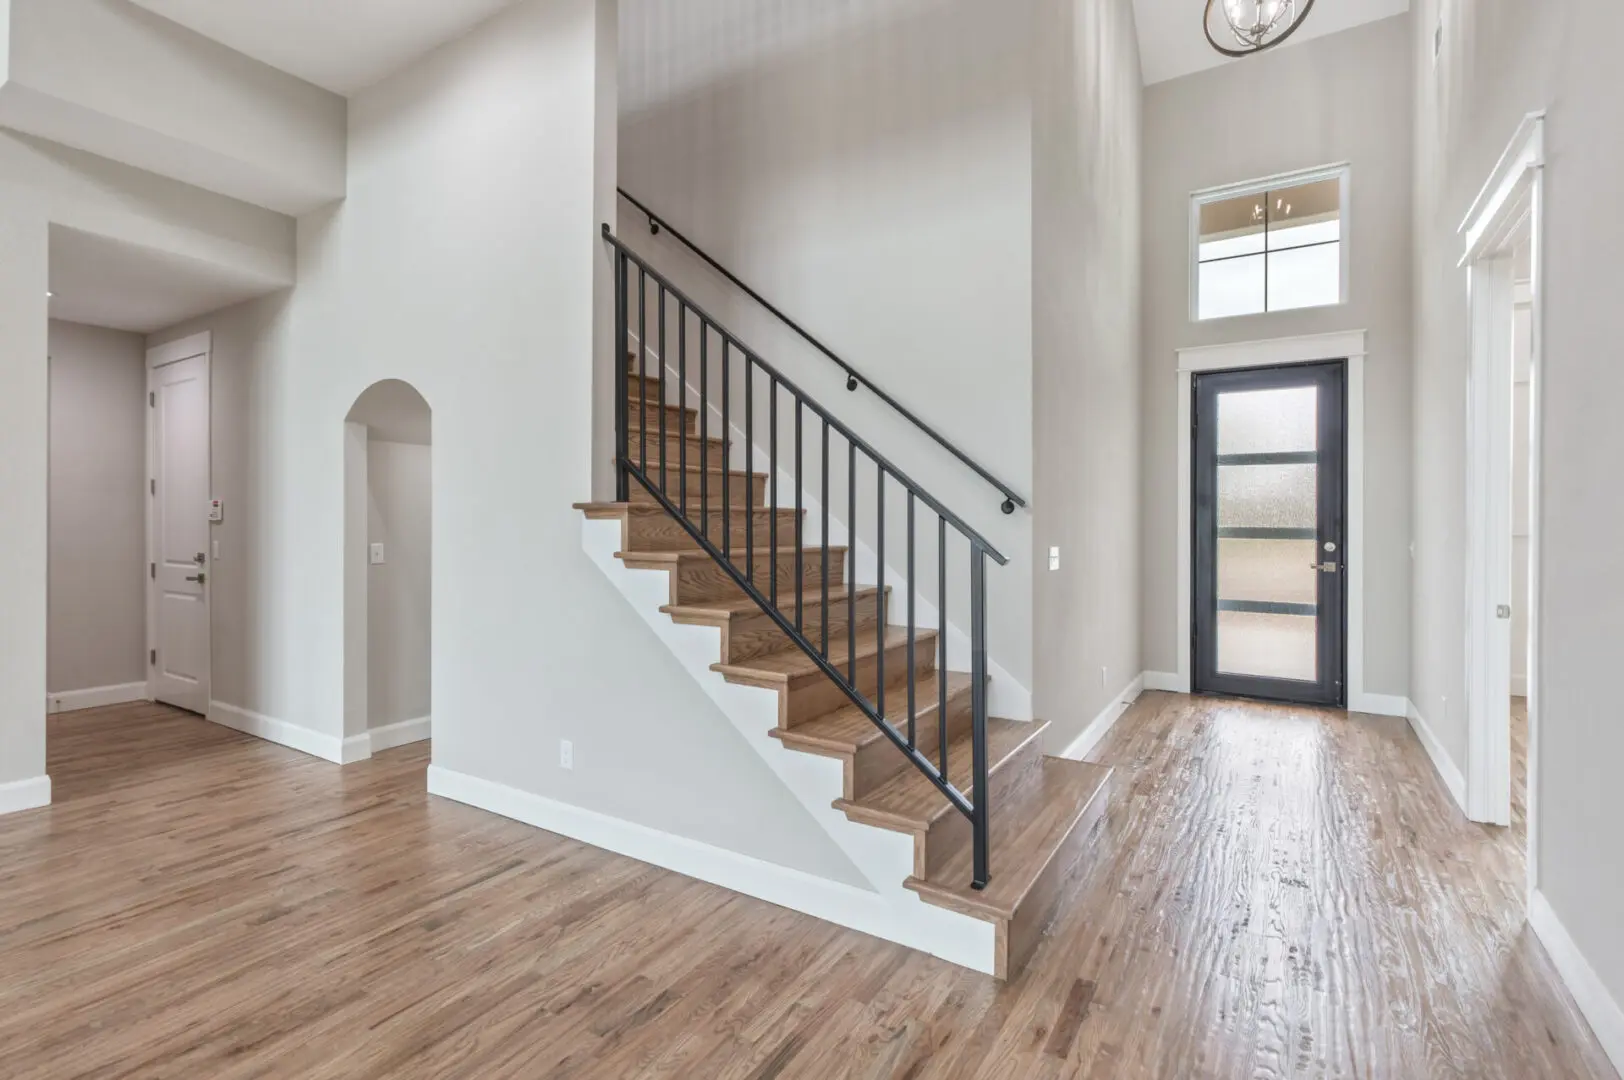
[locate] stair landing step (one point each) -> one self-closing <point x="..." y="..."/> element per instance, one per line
<point x="1032" y="833"/>
<point x="909" y="802"/>
<point x="848" y="730"/>
<point x="790" y="664"/>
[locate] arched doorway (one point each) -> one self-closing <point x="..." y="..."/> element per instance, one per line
<point x="388" y="569"/>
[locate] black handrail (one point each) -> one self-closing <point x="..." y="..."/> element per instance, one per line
<point x="854" y="378"/>
<point x="655" y="475"/>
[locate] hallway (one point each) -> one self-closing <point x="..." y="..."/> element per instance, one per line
<point x="1275" y="892"/>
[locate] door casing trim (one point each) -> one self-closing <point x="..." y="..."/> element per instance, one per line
<point x="199" y="344"/>
<point x="1274" y="352"/>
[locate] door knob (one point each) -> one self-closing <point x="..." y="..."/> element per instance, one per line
<point x="1324" y="567"/>
<point x="199" y="578"/>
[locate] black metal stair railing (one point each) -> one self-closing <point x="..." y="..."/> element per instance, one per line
<point x="668" y="483"/>
<point x="854" y="378"/>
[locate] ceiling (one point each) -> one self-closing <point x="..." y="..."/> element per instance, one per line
<point x="111" y="283"/>
<point x="340" y="45"/>
<point x="1171" y="41"/>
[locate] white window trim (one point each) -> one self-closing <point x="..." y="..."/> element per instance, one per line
<point x="1342" y="171"/>
<point x="1349" y="346"/>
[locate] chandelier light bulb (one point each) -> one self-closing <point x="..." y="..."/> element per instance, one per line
<point x="1243" y="27"/>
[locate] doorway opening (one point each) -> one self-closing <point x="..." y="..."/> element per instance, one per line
<point x="1270" y="528"/>
<point x="1501" y="241"/>
<point x="388" y="568"/>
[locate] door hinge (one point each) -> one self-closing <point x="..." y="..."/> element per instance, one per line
<point x="152" y="569"/>
<point x="152" y="485"/>
<point x="152" y="657"/>
<point x="152" y="399"/>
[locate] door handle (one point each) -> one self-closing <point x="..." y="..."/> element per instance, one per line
<point x="1324" y="567"/>
<point x="199" y="578"/>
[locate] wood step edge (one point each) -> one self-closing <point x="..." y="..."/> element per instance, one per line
<point x="807" y="736"/>
<point x="648" y="509"/>
<point x="866" y="648"/>
<point x="869" y="810"/>
<point x="698" y="554"/>
<point x="1011" y="884"/>
<point x="746" y="606"/>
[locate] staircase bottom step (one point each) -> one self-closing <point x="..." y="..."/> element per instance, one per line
<point x="1037" y="841"/>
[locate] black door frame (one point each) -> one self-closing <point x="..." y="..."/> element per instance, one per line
<point x="1331" y="377"/>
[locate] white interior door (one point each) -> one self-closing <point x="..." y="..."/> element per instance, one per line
<point x="178" y="457"/>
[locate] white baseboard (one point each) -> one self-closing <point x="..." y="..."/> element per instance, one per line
<point x="306" y="740"/>
<point x="392" y="735"/>
<point x="95" y="697"/>
<point x="1448" y="771"/>
<point x="1100" y="726"/>
<point x="1379" y="704"/>
<point x="1161" y="680"/>
<point x="963" y="941"/>
<point x="25" y="794"/>
<point x="1600" y="1009"/>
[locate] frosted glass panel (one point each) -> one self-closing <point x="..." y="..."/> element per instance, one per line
<point x="1231" y="287"/>
<point x="1268" y="421"/>
<point x="1271" y="571"/>
<point x="1267" y="496"/>
<point x="1272" y="646"/>
<point x="1306" y="277"/>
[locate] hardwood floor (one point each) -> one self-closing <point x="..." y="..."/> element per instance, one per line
<point x="1272" y="892"/>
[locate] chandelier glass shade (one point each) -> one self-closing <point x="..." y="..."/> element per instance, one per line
<point x="1244" y="27"/>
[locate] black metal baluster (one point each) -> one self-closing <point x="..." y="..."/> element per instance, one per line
<point x="825" y="570"/>
<point x="622" y="390"/>
<point x="704" y="429"/>
<point x="851" y="563"/>
<point x="911" y="709"/>
<point x="661" y="323"/>
<point x="682" y="388"/>
<point x="727" y="430"/>
<point x="772" y="483"/>
<point x="941" y="642"/>
<point x="798" y="559"/>
<point x="749" y="474"/>
<point x="642" y="371"/>
<point x="879" y="581"/>
<point x="978" y="716"/>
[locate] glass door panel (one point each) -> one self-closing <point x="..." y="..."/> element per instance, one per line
<point x="1268" y="502"/>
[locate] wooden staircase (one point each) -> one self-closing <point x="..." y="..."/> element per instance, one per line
<point x="1041" y="808"/>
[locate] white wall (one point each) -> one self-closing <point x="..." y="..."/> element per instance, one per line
<point x="108" y="77"/>
<point x="399" y="513"/>
<point x="868" y="168"/>
<point x="98" y="550"/>
<point x="1086" y="359"/>
<point x="1349" y="99"/>
<point x="1496" y="66"/>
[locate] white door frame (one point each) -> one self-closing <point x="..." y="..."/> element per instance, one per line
<point x="187" y="348"/>
<point x="1349" y="346"/>
<point x="1511" y="199"/>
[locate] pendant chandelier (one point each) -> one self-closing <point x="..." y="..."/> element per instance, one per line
<point x="1244" y="27"/>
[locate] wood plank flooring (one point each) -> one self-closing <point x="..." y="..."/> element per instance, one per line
<point x="1273" y="892"/>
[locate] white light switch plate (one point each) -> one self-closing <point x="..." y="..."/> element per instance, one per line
<point x="1054" y="558"/>
<point x="376" y="554"/>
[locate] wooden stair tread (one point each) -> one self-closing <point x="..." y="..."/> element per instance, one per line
<point x="645" y="509"/>
<point x="909" y="801"/>
<point x="744" y="605"/>
<point x="1027" y="830"/>
<point x="790" y="663"/>
<point x="698" y="555"/>
<point x="849" y="729"/>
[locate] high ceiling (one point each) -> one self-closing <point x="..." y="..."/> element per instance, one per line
<point x="1171" y="42"/>
<point x="341" y="45"/>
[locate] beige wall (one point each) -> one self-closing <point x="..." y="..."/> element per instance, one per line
<point x="1500" y="61"/>
<point x="97" y="582"/>
<point x="1345" y="97"/>
<point x="1086" y="359"/>
<point x="399" y="505"/>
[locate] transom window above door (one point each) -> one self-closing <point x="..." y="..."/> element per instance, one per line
<point x="1269" y="245"/>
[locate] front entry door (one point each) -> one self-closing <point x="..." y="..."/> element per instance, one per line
<point x="179" y="456"/>
<point x="1269" y="576"/>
